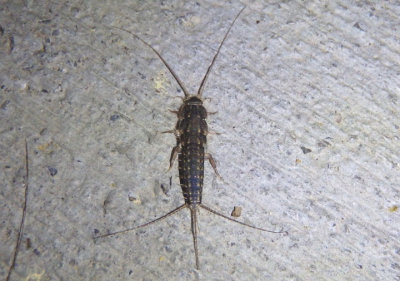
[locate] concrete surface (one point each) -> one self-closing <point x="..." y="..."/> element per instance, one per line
<point x="307" y="94"/>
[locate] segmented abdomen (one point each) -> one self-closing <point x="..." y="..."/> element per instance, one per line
<point x="191" y="172"/>
<point x="193" y="130"/>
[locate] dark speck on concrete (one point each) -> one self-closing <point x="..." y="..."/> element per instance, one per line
<point x="4" y="104"/>
<point x="114" y="117"/>
<point x="305" y="149"/>
<point x="53" y="171"/>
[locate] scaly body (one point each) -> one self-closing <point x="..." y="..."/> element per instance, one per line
<point x="191" y="140"/>
<point x="191" y="136"/>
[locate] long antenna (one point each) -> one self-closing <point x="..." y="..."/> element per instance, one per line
<point x="180" y="83"/>
<point x="203" y="82"/>
<point x="21" y="226"/>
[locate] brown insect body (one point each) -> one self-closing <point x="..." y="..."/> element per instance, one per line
<point x="191" y="135"/>
<point x="191" y="140"/>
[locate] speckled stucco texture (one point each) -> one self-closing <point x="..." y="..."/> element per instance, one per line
<point x="307" y="101"/>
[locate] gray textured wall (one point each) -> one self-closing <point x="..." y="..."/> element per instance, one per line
<point x="91" y="102"/>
